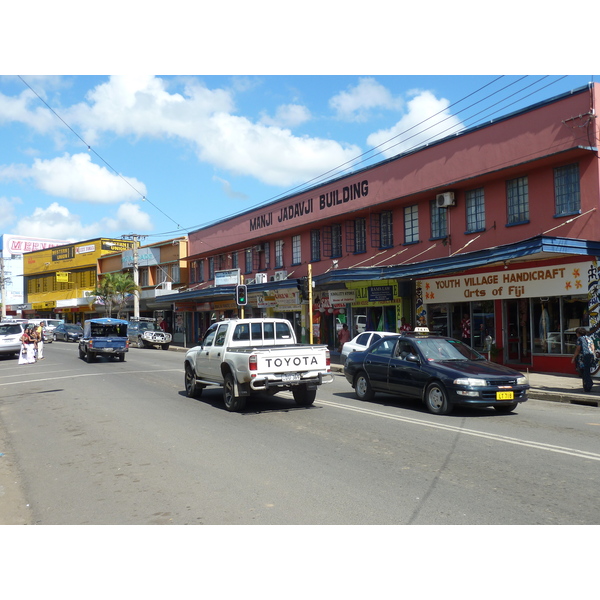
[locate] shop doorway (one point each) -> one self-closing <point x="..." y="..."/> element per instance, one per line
<point x="517" y="331"/>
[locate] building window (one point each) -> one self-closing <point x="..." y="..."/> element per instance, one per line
<point x="315" y="245"/>
<point x="248" y="261"/>
<point x="360" y="236"/>
<point x="278" y="254"/>
<point x="475" y="206"/>
<point x="296" y="250"/>
<point x="267" y="247"/>
<point x="387" y="233"/>
<point x="411" y="224"/>
<point x="336" y="240"/>
<point x="439" y="217"/>
<point x="144" y="277"/>
<point x="234" y="260"/>
<point x="517" y="198"/>
<point x="566" y="190"/>
<point x="211" y="267"/>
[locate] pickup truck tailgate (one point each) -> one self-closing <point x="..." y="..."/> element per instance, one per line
<point x="293" y="360"/>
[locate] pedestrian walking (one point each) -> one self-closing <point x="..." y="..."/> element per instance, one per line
<point x="28" y="341"/>
<point x="39" y="331"/>
<point x="584" y="357"/>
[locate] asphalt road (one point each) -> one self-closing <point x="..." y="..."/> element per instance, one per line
<point x="120" y="443"/>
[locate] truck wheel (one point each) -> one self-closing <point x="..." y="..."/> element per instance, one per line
<point x="90" y="356"/>
<point x="192" y="389"/>
<point x="233" y="403"/>
<point x="303" y="396"/>
<point x="122" y="357"/>
<point x="140" y="343"/>
<point x="165" y="346"/>
<point x="81" y="353"/>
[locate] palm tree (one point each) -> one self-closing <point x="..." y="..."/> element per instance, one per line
<point x="113" y="289"/>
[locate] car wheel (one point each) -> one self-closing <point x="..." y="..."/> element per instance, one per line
<point x="505" y="408"/>
<point x="303" y="396"/>
<point x="362" y="387"/>
<point x="81" y="353"/>
<point x="54" y="336"/>
<point x="165" y="346"/>
<point x="436" y="399"/>
<point x="140" y="343"/>
<point x="192" y="388"/>
<point x="233" y="403"/>
<point x="90" y="356"/>
<point x="122" y="357"/>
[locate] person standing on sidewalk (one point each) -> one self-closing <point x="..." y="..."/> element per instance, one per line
<point x="583" y="357"/>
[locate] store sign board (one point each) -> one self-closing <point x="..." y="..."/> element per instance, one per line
<point x="342" y="296"/>
<point x="555" y="280"/>
<point x="229" y="277"/>
<point x="146" y="257"/>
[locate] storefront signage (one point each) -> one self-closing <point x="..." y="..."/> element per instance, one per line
<point x="283" y="299"/>
<point x="62" y="277"/>
<point x="18" y="245"/>
<point x="146" y="257"/>
<point x="302" y="208"/>
<point x="342" y="296"/>
<point x="63" y="253"/>
<point x="534" y="282"/>
<point x="381" y="293"/>
<point x="85" y="249"/>
<point x="43" y="305"/>
<point x="230" y="277"/>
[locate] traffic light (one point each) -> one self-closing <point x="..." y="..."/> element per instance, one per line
<point x="303" y="287"/>
<point x="241" y="295"/>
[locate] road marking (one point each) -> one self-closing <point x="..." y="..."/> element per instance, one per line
<point x="473" y="432"/>
<point x="29" y="380"/>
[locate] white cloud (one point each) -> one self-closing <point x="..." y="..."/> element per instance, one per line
<point x="58" y="222"/>
<point x="356" y="103"/>
<point x="77" y="178"/>
<point x="144" y="106"/>
<point x="426" y="119"/>
<point x="288" y="115"/>
<point x="7" y="211"/>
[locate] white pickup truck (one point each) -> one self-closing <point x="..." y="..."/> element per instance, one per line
<point x="252" y="355"/>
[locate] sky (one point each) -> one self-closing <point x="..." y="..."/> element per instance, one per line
<point x="87" y="155"/>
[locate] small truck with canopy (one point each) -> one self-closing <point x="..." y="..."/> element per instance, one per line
<point x="107" y="337"/>
<point x="245" y="356"/>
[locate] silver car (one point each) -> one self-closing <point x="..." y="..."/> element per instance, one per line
<point x="10" y="338"/>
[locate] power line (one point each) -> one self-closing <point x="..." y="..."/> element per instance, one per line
<point x="90" y="149"/>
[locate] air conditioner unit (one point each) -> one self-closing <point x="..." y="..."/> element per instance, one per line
<point x="260" y="278"/>
<point x="445" y="199"/>
<point x="166" y="285"/>
<point x="280" y="275"/>
<point x="259" y="248"/>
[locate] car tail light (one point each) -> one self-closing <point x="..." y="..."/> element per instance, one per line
<point x="328" y="358"/>
<point x="253" y="362"/>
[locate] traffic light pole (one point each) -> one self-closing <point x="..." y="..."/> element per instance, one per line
<point x="310" y="305"/>
<point x="241" y="308"/>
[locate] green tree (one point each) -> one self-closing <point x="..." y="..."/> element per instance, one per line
<point x="113" y="289"/>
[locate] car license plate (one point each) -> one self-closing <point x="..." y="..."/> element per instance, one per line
<point x="290" y="377"/>
<point x="505" y="395"/>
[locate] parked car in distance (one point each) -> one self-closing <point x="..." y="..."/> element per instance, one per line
<point x="146" y="333"/>
<point x="362" y="341"/>
<point x="103" y="337"/>
<point x="442" y="372"/>
<point x="68" y="332"/>
<point x="10" y="337"/>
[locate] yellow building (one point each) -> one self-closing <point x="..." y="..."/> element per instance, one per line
<point x="59" y="281"/>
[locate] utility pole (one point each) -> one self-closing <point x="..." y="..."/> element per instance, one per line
<point x="310" y="305"/>
<point x="136" y="272"/>
<point x="3" y="286"/>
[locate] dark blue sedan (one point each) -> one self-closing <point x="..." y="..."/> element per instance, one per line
<point x="442" y="372"/>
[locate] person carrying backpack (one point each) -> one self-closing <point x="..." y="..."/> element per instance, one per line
<point x="584" y="356"/>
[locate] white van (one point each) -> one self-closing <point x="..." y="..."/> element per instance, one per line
<point x="360" y="323"/>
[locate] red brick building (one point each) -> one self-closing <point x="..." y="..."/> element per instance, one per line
<point x="498" y="224"/>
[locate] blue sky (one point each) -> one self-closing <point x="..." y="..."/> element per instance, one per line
<point x="276" y="106"/>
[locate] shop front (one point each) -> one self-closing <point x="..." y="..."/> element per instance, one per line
<point x="524" y="316"/>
